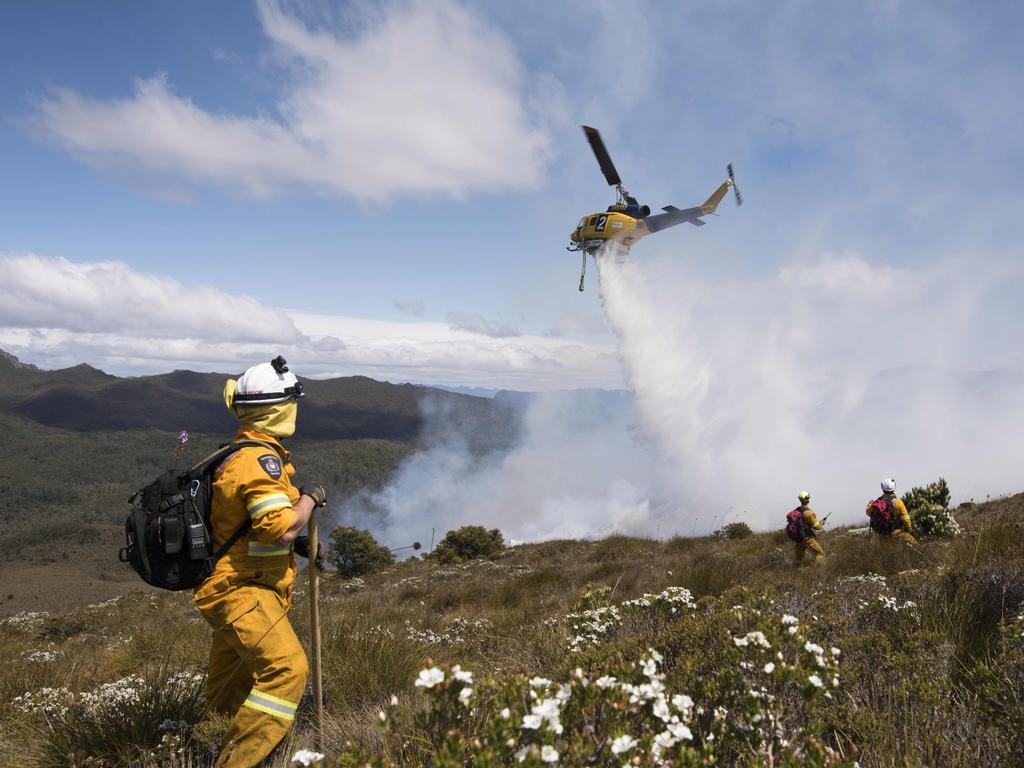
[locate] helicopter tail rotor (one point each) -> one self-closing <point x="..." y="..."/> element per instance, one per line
<point x="732" y="182"/>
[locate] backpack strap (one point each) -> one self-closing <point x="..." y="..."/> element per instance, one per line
<point x="215" y="458"/>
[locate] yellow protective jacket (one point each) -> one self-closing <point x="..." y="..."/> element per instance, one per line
<point x="902" y="516"/>
<point x="254" y="483"/>
<point x="811" y="523"/>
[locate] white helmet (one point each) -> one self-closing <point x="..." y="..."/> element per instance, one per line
<point x="888" y="485"/>
<point x="267" y="383"/>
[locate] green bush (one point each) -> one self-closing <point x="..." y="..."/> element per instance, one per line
<point x="355" y="552"/>
<point x="468" y="543"/>
<point x="737" y="530"/>
<point x="933" y="493"/>
<point x="929" y="510"/>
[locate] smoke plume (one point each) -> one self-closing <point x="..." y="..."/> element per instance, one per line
<point x="826" y="376"/>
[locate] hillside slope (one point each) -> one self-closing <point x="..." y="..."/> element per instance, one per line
<point x="881" y="657"/>
<point x="84" y="399"/>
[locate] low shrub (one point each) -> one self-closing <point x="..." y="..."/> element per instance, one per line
<point x="928" y="506"/>
<point x="356" y="552"/>
<point x="468" y="543"/>
<point x="738" y="530"/>
<point x="119" y="722"/>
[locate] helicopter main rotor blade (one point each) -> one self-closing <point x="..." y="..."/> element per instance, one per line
<point x="603" y="158"/>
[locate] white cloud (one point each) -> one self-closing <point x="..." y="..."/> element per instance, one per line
<point x="475" y="323"/>
<point x="425" y="99"/>
<point x="109" y="297"/>
<point x="56" y="313"/>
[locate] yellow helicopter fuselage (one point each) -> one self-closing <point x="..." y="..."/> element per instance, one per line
<point x="596" y="229"/>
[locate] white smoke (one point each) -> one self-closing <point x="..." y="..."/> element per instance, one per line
<point x="826" y="376"/>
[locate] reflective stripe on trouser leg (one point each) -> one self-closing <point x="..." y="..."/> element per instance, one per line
<point x="271" y="705"/>
<point x="279" y="670"/>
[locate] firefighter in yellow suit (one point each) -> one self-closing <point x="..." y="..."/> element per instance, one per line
<point x="258" y="668"/>
<point x="811" y="524"/>
<point x="902" y="531"/>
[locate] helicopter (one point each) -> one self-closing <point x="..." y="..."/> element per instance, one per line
<point x="625" y="222"/>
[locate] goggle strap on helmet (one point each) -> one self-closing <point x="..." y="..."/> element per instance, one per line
<point x="294" y="391"/>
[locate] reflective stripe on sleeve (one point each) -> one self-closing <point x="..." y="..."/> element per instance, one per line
<point x="267" y="550"/>
<point x="263" y="504"/>
<point x="272" y="705"/>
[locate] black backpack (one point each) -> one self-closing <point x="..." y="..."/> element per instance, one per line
<point x="167" y="536"/>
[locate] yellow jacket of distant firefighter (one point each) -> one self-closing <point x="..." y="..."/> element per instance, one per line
<point x="253" y="483"/>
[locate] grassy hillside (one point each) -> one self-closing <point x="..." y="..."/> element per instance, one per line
<point x="580" y="649"/>
<point x="67" y="494"/>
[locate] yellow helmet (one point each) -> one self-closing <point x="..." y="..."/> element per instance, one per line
<point x="804" y="497"/>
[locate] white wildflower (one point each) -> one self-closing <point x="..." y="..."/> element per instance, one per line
<point x="430" y="677"/>
<point x="549" y="754"/>
<point x="682" y="702"/>
<point x="605" y="682"/>
<point x="815" y="681"/>
<point x="307" y="757"/>
<point x="539" y="682"/>
<point x="506" y="713"/>
<point x="769" y="667"/>
<point x="532" y="722"/>
<point x="661" y="711"/>
<point x="464" y="695"/>
<point x="680" y="731"/>
<point x="788" y="619"/>
<point x="623" y="744"/>
<point x="463" y="675"/>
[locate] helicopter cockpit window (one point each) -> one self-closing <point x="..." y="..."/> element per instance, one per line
<point x="593" y="220"/>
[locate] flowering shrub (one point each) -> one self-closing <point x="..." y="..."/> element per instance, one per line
<point x="742" y="708"/>
<point x="932" y="520"/>
<point x="457" y="632"/>
<point x="133" y="714"/>
<point x="928" y="506"/>
<point x="594" y="626"/>
<point x="24" y="621"/>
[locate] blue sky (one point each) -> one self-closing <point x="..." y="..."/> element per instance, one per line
<point x="387" y="188"/>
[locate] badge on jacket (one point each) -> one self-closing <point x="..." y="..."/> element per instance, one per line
<point x="271" y="465"/>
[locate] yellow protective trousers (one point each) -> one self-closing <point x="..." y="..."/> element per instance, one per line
<point x="257" y="670"/>
<point x="810" y="543"/>
<point x="898" y="535"/>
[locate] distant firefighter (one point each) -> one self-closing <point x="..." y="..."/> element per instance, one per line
<point x="889" y="516"/>
<point x="801" y="524"/>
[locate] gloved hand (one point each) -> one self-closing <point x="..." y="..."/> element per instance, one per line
<point x="316" y="492"/>
<point x="301" y="546"/>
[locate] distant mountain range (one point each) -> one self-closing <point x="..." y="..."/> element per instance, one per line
<point x="85" y="399"/>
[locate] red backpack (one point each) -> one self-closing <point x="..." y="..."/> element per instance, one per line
<point x="795" y="524"/>
<point x="883" y="515"/>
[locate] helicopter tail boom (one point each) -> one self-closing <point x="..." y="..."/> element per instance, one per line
<point x="711" y="204"/>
